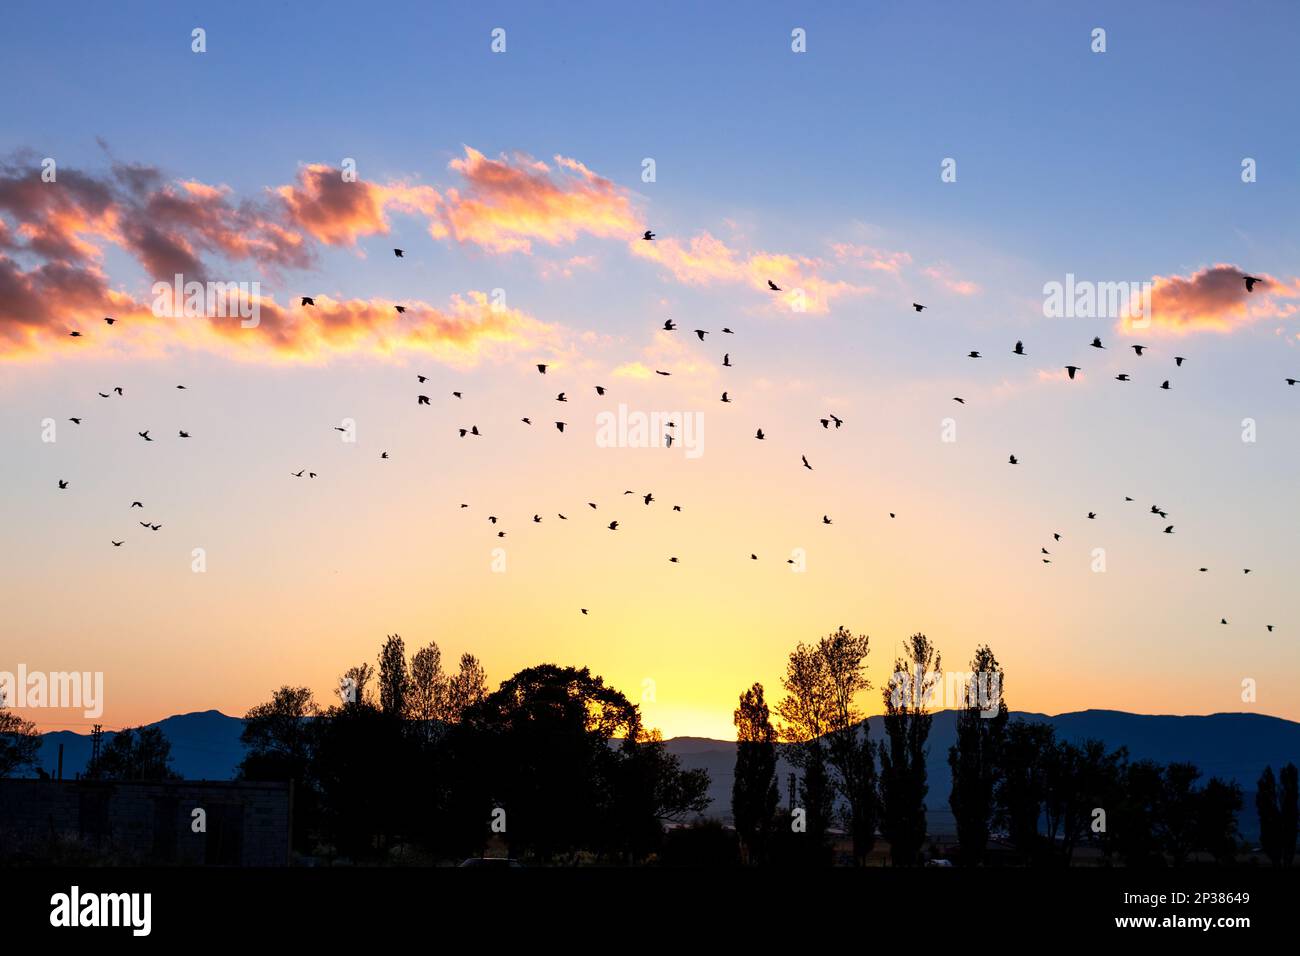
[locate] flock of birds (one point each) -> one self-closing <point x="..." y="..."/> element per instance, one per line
<point x="648" y="498"/>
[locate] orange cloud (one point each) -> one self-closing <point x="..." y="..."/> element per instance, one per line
<point x="1214" y="299"/>
<point x="944" y="277"/>
<point x="704" y="260"/>
<point x="509" y="202"/>
<point x="337" y="212"/>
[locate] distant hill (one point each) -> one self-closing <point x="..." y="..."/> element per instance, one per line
<point x="205" y="746"/>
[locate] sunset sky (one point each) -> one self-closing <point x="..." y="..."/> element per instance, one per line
<point x="521" y="172"/>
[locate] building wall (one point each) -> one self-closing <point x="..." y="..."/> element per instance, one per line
<point x="248" y="824"/>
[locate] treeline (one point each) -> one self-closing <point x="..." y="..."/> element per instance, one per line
<point x="426" y="764"/>
<point x="1043" y="798"/>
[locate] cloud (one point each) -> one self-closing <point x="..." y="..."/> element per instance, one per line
<point x="508" y="202"/>
<point x="705" y="260"/>
<point x="943" y="275"/>
<point x="1214" y="299"/>
<point x="338" y="212"/>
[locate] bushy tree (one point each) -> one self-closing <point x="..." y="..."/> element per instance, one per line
<point x="753" y="791"/>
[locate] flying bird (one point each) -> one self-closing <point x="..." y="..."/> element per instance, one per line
<point x="960" y="400"/>
<point x="541" y="368"/>
<point x="145" y="435"/>
<point x="1019" y="349"/>
<point x="526" y="421"/>
<point x="1071" y="369"/>
<point x="1139" y="349"/>
<point x="701" y="333"/>
<point x="919" y="307"/>
<point x="1096" y="343"/>
<point x="805" y="462"/>
<point x="118" y="544"/>
<point x="670" y="325"/>
<point x="423" y="400"/>
<point x="973" y="355"/>
<point x="109" y="321"/>
<point x="183" y="434"/>
<point x="613" y="526"/>
<point x="600" y="389"/>
<point x="724" y="397"/>
<point x="1122" y="377"/>
<point x="1169" y="530"/>
<point x="1250" y="282"/>
<point x="726" y="360"/>
<point x="75" y="335"/>
<point x="136" y="504"/>
<point x="383" y="454"/>
<point x="308" y="300"/>
<point x="561" y="398"/>
<point x="657" y="372"/>
<point x="826" y="519"/>
<point x="400" y="309"/>
<point x="648" y="235"/>
<point x="560" y="425"/>
<point x="1013" y="460"/>
<point x="648" y="497"/>
<point x="1165" y="385"/>
<point x="75" y="421"/>
<point x="772" y="286"/>
<point x="1179" y="360"/>
<point x="62" y="483"/>
<point x="398" y="253"/>
<point x="759" y="434"/>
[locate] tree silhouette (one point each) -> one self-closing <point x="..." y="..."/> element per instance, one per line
<point x="135" y="753"/>
<point x="1277" y="815"/>
<point x="805" y="713"/>
<point x="426" y="702"/>
<point x="907" y="720"/>
<point x="849" y="749"/>
<point x="393" y="678"/>
<point x="466" y="688"/>
<point x="753" y="792"/>
<point x="975" y="758"/>
<point x="280" y="741"/>
<point x="20" y="744"/>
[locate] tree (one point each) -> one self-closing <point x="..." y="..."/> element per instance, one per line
<point x="753" y="792"/>
<point x="360" y="676"/>
<point x="903" y="786"/>
<point x="541" y="749"/>
<point x="1022" y="785"/>
<point x="849" y="749"/>
<point x="393" y="678"/>
<point x="426" y="701"/>
<point x="20" y="744"/>
<point x="1288" y="813"/>
<point x="1270" y="816"/>
<point x="1177" y="811"/>
<point x="465" y="689"/>
<point x="805" y="713"/>
<point x="279" y="738"/>
<point x="975" y="758"/>
<point x="1217" y="806"/>
<point x="136" y="753"/>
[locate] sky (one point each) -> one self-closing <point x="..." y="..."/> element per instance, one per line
<point x="516" y="184"/>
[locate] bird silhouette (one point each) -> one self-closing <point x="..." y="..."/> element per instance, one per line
<point x="772" y="286"/>
<point x="1096" y="343"/>
<point x="701" y="333"/>
<point x="648" y="497"/>
<point x="1071" y="369"/>
<point x="826" y="519"/>
<point x="1250" y="283"/>
<point x="613" y="526"/>
<point x="75" y="335"/>
<point x="973" y="355"/>
<point x="726" y="360"/>
<point x="647" y="235"/>
<point x="1179" y="360"/>
<point x="959" y="400"/>
<point x="542" y="368"/>
<point x="670" y="325"/>
<point x="1013" y="460"/>
<point x="1165" y="385"/>
<point x="724" y="397"/>
<point x="383" y="454"/>
<point x="62" y="483"/>
<point x="919" y="307"/>
<point x="1122" y="377"/>
<point x="117" y="544"/>
<point x="1169" y="529"/>
<point x="759" y="434"/>
<point x="657" y="372"/>
<point x="136" y="504"/>
<point x="526" y="421"/>
<point x="398" y="253"/>
<point x="423" y="399"/>
<point x="145" y="435"/>
<point x="600" y="389"/>
<point x="109" y="321"/>
<point x="75" y="421"/>
<point x="307" y="300"/>
<point x="1139" y="349"/>
<point x="1019" y="349"/>
<point x="805" y="462"/>
<point x="560" y="425"/>
<point x="184" y="434"/>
